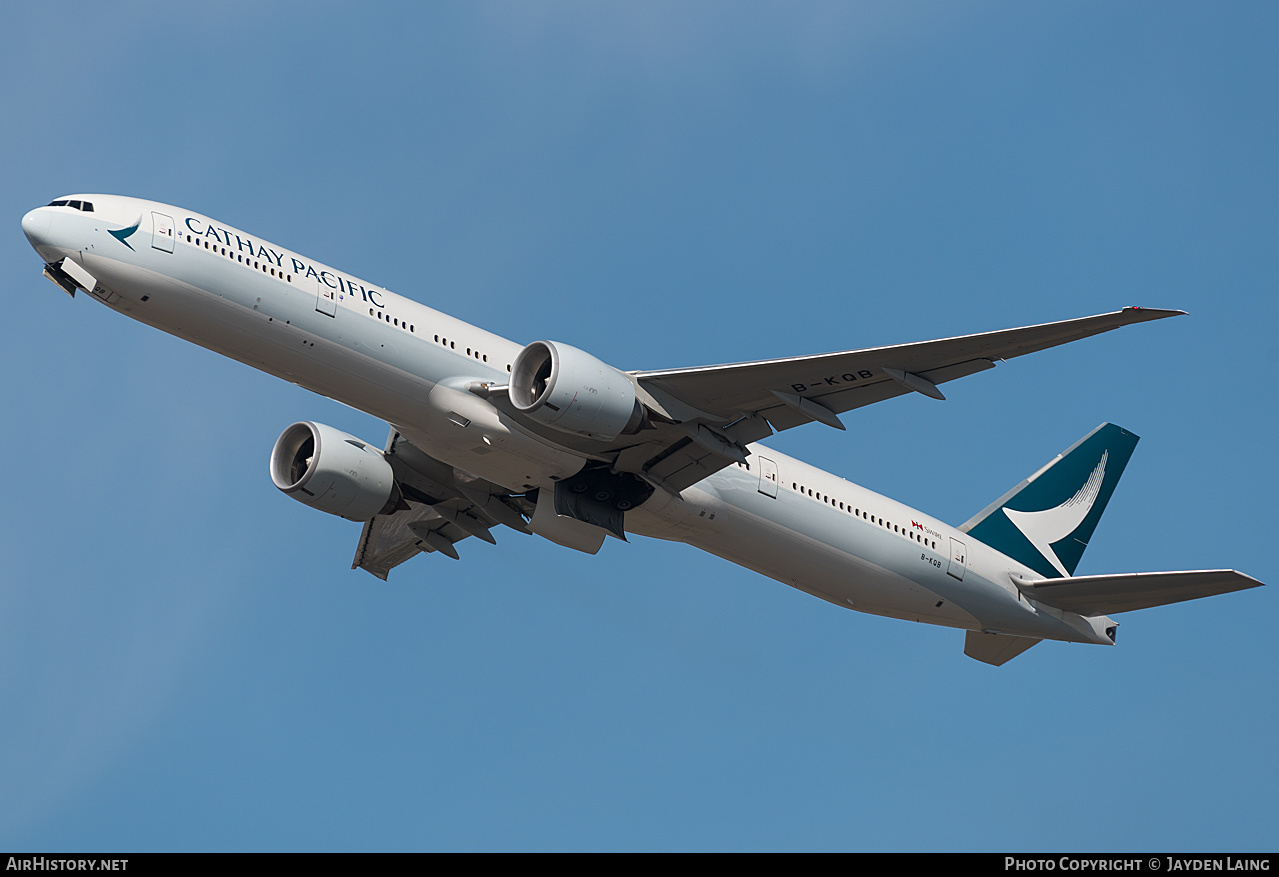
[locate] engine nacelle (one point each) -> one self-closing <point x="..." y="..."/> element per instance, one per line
<point x="570" y="390"/>
<point x="334" y="472"/>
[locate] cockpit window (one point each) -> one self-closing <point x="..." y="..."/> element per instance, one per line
<point x="86" y="206"/>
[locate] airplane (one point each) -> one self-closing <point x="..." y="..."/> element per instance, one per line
<point x="544" y="438"/>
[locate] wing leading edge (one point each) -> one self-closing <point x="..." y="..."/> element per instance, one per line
<point x="839" y="380"/>
<point x="718" y="409"/>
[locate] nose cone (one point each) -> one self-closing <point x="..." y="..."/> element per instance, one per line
<point x="35" y="225"/>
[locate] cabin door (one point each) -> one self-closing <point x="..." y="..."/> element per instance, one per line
<point x="767" y="476"/>
<point x="162" y="232"/>
<point x="958" y="559"/>
<point x="326" y="299"/>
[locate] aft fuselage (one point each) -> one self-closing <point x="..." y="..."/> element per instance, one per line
<point x="369" y="348"/>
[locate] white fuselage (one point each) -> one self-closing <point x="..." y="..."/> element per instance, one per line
<point x="369" y="348"/>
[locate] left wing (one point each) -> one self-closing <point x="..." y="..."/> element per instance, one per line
<point x="387" y="540"/>
<point x="435" y="514"/>
<point x="710" y="413"/>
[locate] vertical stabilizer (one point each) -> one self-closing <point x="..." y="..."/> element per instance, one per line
<point x="1046" y="521"/>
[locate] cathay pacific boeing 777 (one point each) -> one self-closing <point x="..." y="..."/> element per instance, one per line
<point x="545" y="438"/>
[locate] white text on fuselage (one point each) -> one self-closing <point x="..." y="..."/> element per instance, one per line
<point x="256" y="250"/>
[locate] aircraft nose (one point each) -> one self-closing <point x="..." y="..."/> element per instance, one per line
<point x="35" y="225"/>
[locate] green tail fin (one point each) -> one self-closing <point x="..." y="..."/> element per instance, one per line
<point x="1046" y="521"/>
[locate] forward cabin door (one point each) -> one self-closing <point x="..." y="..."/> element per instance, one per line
<point x="162" y="232"/>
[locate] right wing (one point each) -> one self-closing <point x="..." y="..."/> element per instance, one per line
<point x="708" y="414"/>
<point x="843" y="381"/>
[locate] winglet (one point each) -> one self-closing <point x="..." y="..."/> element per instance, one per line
<point x="1137" y="314"/>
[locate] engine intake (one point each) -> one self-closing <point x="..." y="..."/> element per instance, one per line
<point x="572" y="391"/>
<point x="331" y="471"/>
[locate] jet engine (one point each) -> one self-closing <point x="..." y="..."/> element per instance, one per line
<point x="572" y="391"/>
<point x="331" y="471"/>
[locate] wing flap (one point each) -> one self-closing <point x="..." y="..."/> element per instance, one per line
<point x="389" y="540"/>
<point x="437" y="512"/>
<point x="1127" y="592"/>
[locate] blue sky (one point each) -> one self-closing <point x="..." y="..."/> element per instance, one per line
<point x="186" y="660"/>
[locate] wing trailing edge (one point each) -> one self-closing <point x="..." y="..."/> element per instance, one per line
<point x="748" y="401"/>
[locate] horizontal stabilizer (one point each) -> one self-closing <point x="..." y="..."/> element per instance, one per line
<point x="1125" y="592"/>
<point x="994" y="648"/>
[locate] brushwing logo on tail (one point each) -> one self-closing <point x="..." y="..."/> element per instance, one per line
<point x="1045" y="527"/>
